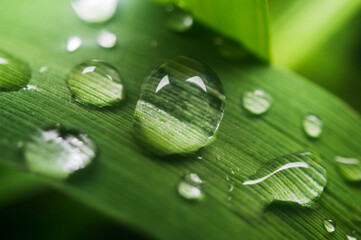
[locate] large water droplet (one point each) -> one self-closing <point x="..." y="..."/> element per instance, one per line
<point x="58" y="154"/>
<point x="329" y="225"/>
<point x="190" y="187"/>
<point x="179" y="20"/>
<point x="257" y="101"/>
<point x="180" y="107"/>
<point x="95" y="11"/>
<point x="14" y="73"/>
<point x="73" y="43"/>
<point x="312" y="126"/>
<point x="95" y="83"/>
<point x="107" y="39"/>
<point x="297" y="177"/>
<point x="350" y="168"/>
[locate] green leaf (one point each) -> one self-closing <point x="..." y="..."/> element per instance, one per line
<point x="300" y="27"/>
<point x="139" y="190"/>
<point x="243" y="20"/>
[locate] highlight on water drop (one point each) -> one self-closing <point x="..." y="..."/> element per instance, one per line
<point x="257" y="101"/>
<point x="312" y="125"/>
<point x="329" y="225"/>
<point x="190" y="187"/>
<point x="95" y="11"/>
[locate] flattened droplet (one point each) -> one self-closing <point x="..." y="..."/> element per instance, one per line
<point x="257" y="101"/>
<point x="349" y="168"/>
<point x="312" y="125"/>
<point x="14" y="73"/>
<point x="58" y="154"/>
<point x="190" y="187"/>
<point x="180" y="107"/>
<point x="297" y="177"/>
<point x="95" y="11"/>
<point x="107" y="39"/>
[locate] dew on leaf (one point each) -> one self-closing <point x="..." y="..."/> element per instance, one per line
<point x="95" y="83"/>
<point x="179" y="21"/>
<point x="298" y="178"/>
<point x="107" y="39"/>
<point x="257" y="101"/>
<point x="58" y="154"/>
<point x="73" y="43"/>
<point x="329" y="225"/>
<point x="14" y="73"/>
<point x="95" y="11"/>
<point x="312" y="125"/>
<point x="180" y="107"/>
<point x="349" y="168"/>
<point x="190" y="187"/>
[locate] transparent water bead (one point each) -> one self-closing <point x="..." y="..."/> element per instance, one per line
<point x="95" y="11"/>
<point x="350" y="168"/>
<point x="180" y="107"/>
<point x="58" y="154"/>
<point x="43" y="69"/>
<point x="179" y="20"/>
<point x="230" y="49"/>
<point x="329" y="225"/>
<point x="349" y="237"/>
<point x="190" y="187"/>
<point x="95" y="83"/>
<point x="73" y="43"/>
<point x="297" y="177"/>
<point x="14" y="73"/>
<point x="257" y="101"/>
<point x="107" y="39"/>
<point x="312" y="125"/>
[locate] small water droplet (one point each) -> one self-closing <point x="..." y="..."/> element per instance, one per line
<point x="329" y="225"/>
<point x="31" y="88"/>
<point x="181" y="105"/>
<point x="231" y="188"/>
<point x="107" y="39"/>
<point x="73" y="44"/>
<point x="297" y="177"/>
<point x="169" y="7"/>
<point x="257" y="101"/>
<point x="350" y="168"/>
<point x="312" y="125"/>
<point x="95" y="11"/>
<point x="14" y="73"/>
<point x="179" y="21"/>
<point x="349" y="237"/>
<point x="43" y="69"/>
<point x="58" y="154"/>
<point x="95" y="83"/>
<point x="190" y="187"/>
<point x="200" y="157"/>
<point x="153" y="44"/>
<point x="230" y="49"/>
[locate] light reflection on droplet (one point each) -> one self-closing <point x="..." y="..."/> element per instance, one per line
<point x="107" y="39"/>
<point x="95" y="11"/>
<point x="329" y="225"/>
<point x="73" y="44"/>
<point x="190" y="187"/>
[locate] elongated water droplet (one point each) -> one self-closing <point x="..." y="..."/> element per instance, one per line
<point x="349" y="237"/>
<point x="180" y="107"/>
<point x="73" y="44"/>
<point x="329" y="225"/>
<point x="95" y="11"/>
<point x="312" y="125"/>
<point x="350" y="168"/>
<point x="297" y="177"/>
<point x="107" y="39"/>
<point x="14" y="73"/>
<point x="58" y="154"/>
<point x="31" y="88"/>
<point x="190" y="187"/>
<point x="179" y="20"/>
<point x="257" y="101"/>
<point x="230" y="49"/>
<point x="95" y="83"/>
<point x="43" y="69"/>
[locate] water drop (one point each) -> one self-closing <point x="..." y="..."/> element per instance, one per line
<point x="73" y="44"/>
<point x="58" y="154"/>
<point x="297" y="177"/>
<point x="95" y="83"/>
<point x="43" y="69"/>
<point x="14" y="73"/>
<point x="169" y="7"/>
<point x="230" y="49"/>
<point x="190" y="187"/>
<point x="350" y="168"/>
<point x="107" y="39"/>
<point x="329" y="225"/>
<point x="257" y="101"/>
<point x="180" y="107"/>
<point x="179" y="21"/>
<point x="95" y="11"/>
<point x="231" y="188"/>
<point x="31" y="88"/>
<point x="312" y="125"/>
<point x="349" y="237"/>
<point x="200" y="157"/>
